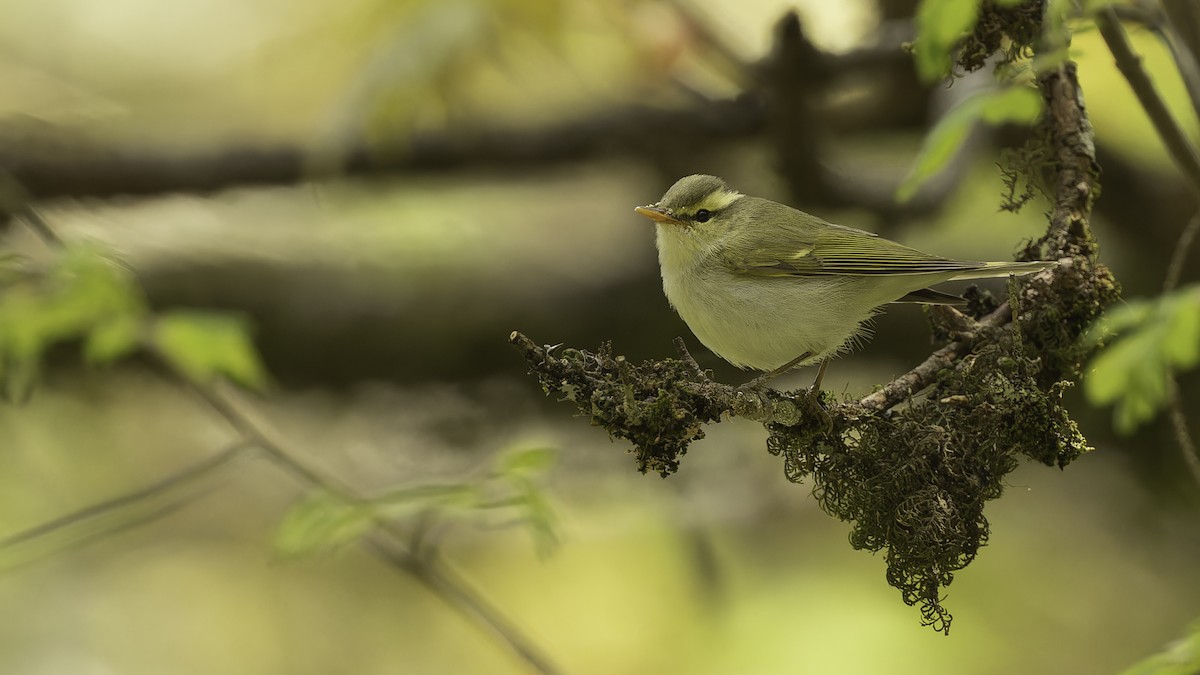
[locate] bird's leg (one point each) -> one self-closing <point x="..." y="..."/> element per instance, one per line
<point x="688" y="359"/>
<point x="812" y="395"/>
<point x="816" y="385"/>
<point x="814" y="398"/>
<point x="767" y="377"/>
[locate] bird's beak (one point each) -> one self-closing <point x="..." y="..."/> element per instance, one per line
<point x="658" y="214"/>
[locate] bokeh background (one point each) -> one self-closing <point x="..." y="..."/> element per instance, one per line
<point x="476" y="163"/>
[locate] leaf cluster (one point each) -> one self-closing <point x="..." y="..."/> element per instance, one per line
<point x="85" y="296"/>
<point x="1148" y="341"/>
<point x="325" y="522"/>
<point x="82" y="296"/>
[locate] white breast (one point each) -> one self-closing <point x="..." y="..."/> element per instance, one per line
<point x="759" y="322"/>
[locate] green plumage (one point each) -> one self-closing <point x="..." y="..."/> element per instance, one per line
<point x="761" y="283"/>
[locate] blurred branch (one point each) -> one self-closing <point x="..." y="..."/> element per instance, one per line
<point x="437" y="576"/>
<point x="1179" y="258"/>
<point x="1184" y="53"/>
<point x="789" y="99"/>
<point x="1186" y="157"/>
<point x="796" y="79"/>
<point x="1130" y="64"/>
<point x="1159" y="19"/>
<point x="93" y="170"/>
<point x="77" y="521"/>
<point x="1183" y="436"/>
<point x="14" y="200"/>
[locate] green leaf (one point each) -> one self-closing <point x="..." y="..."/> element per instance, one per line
<point x="940" y="25"/>
<point x="1013" y="105"/>
<point x="1181" y="334"/>
<point x="536" y="512"/>
<point x="406" y="500"/>
<point x="1018" y="105"/>
<point x="1130" y="375"/>
<point x="113" y="339"/>
<point x="1153" y="340"/>
<point x="1179" y="658"/>
<point x="322" y="523"/>
<point x="1119" y="318"/>
<point x="527" y="460"/>
<point x="86" y="288"/>
<point x="205" y="345"/>
<point x="84" y="294"/>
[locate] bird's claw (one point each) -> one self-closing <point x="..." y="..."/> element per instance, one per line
<point x="813" y="397"/>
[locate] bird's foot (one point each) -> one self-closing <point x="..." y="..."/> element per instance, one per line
<point x="688" y="360"/>
<point x="813" y="398"/>
<point x="762" y="380"/>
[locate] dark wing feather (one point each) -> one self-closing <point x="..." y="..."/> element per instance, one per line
<point x="928" y="296"/>
<point x="821" y="249"/>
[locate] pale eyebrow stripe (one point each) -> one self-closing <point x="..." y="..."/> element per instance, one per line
<point x="719" y="200"/>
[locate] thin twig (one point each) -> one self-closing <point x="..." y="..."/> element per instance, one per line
<point x="88" y="523"/>
<point x="444" y="582"/>
<point x="1130" y="64"/>
<point x="188" y="475"/>
<point x="15" y="201"/>
<point x="1185" y="60"/>
<point x="1159" y="21"/>
<point x="40" y="227"/>
<point x="436" y="575"/>
<point x="1179" y="257"/>
<point x="908" y="384"/>
<point x="1183" y="436"/>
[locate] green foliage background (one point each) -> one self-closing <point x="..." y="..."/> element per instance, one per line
<point x="725" y="568"/>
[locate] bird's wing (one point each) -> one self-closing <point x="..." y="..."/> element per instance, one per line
<point x="837" y="250"/>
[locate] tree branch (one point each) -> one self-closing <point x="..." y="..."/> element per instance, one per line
<point x="435" y="574"/>
<point x="1177" y="143"/>
<point x="795" y="81"/>
<point x="909" y="384"/>
<point x="1179" y="257"/>
<point x="91" y="170"/>
<point x="95" y="512"/>
<point x="1183" y="436"/>
<point x="1186" y="158"/>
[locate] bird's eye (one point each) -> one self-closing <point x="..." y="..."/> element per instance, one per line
<point x="703" y="215"/>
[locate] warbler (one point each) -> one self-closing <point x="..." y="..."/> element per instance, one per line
<point x="768" y="287"/>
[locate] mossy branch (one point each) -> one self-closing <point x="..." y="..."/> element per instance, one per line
<point x="912" y="481"/>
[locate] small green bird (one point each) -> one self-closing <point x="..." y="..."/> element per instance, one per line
<point x="768" y="287"/>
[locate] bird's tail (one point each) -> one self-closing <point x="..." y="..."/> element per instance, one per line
<point x="1003" y="269"/>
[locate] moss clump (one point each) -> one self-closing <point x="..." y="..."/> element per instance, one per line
<point x="1055" y="312"/>
<point x="1011" y="29"/>
<point x="655" y="405"/>
<point x="913" y="484"/>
